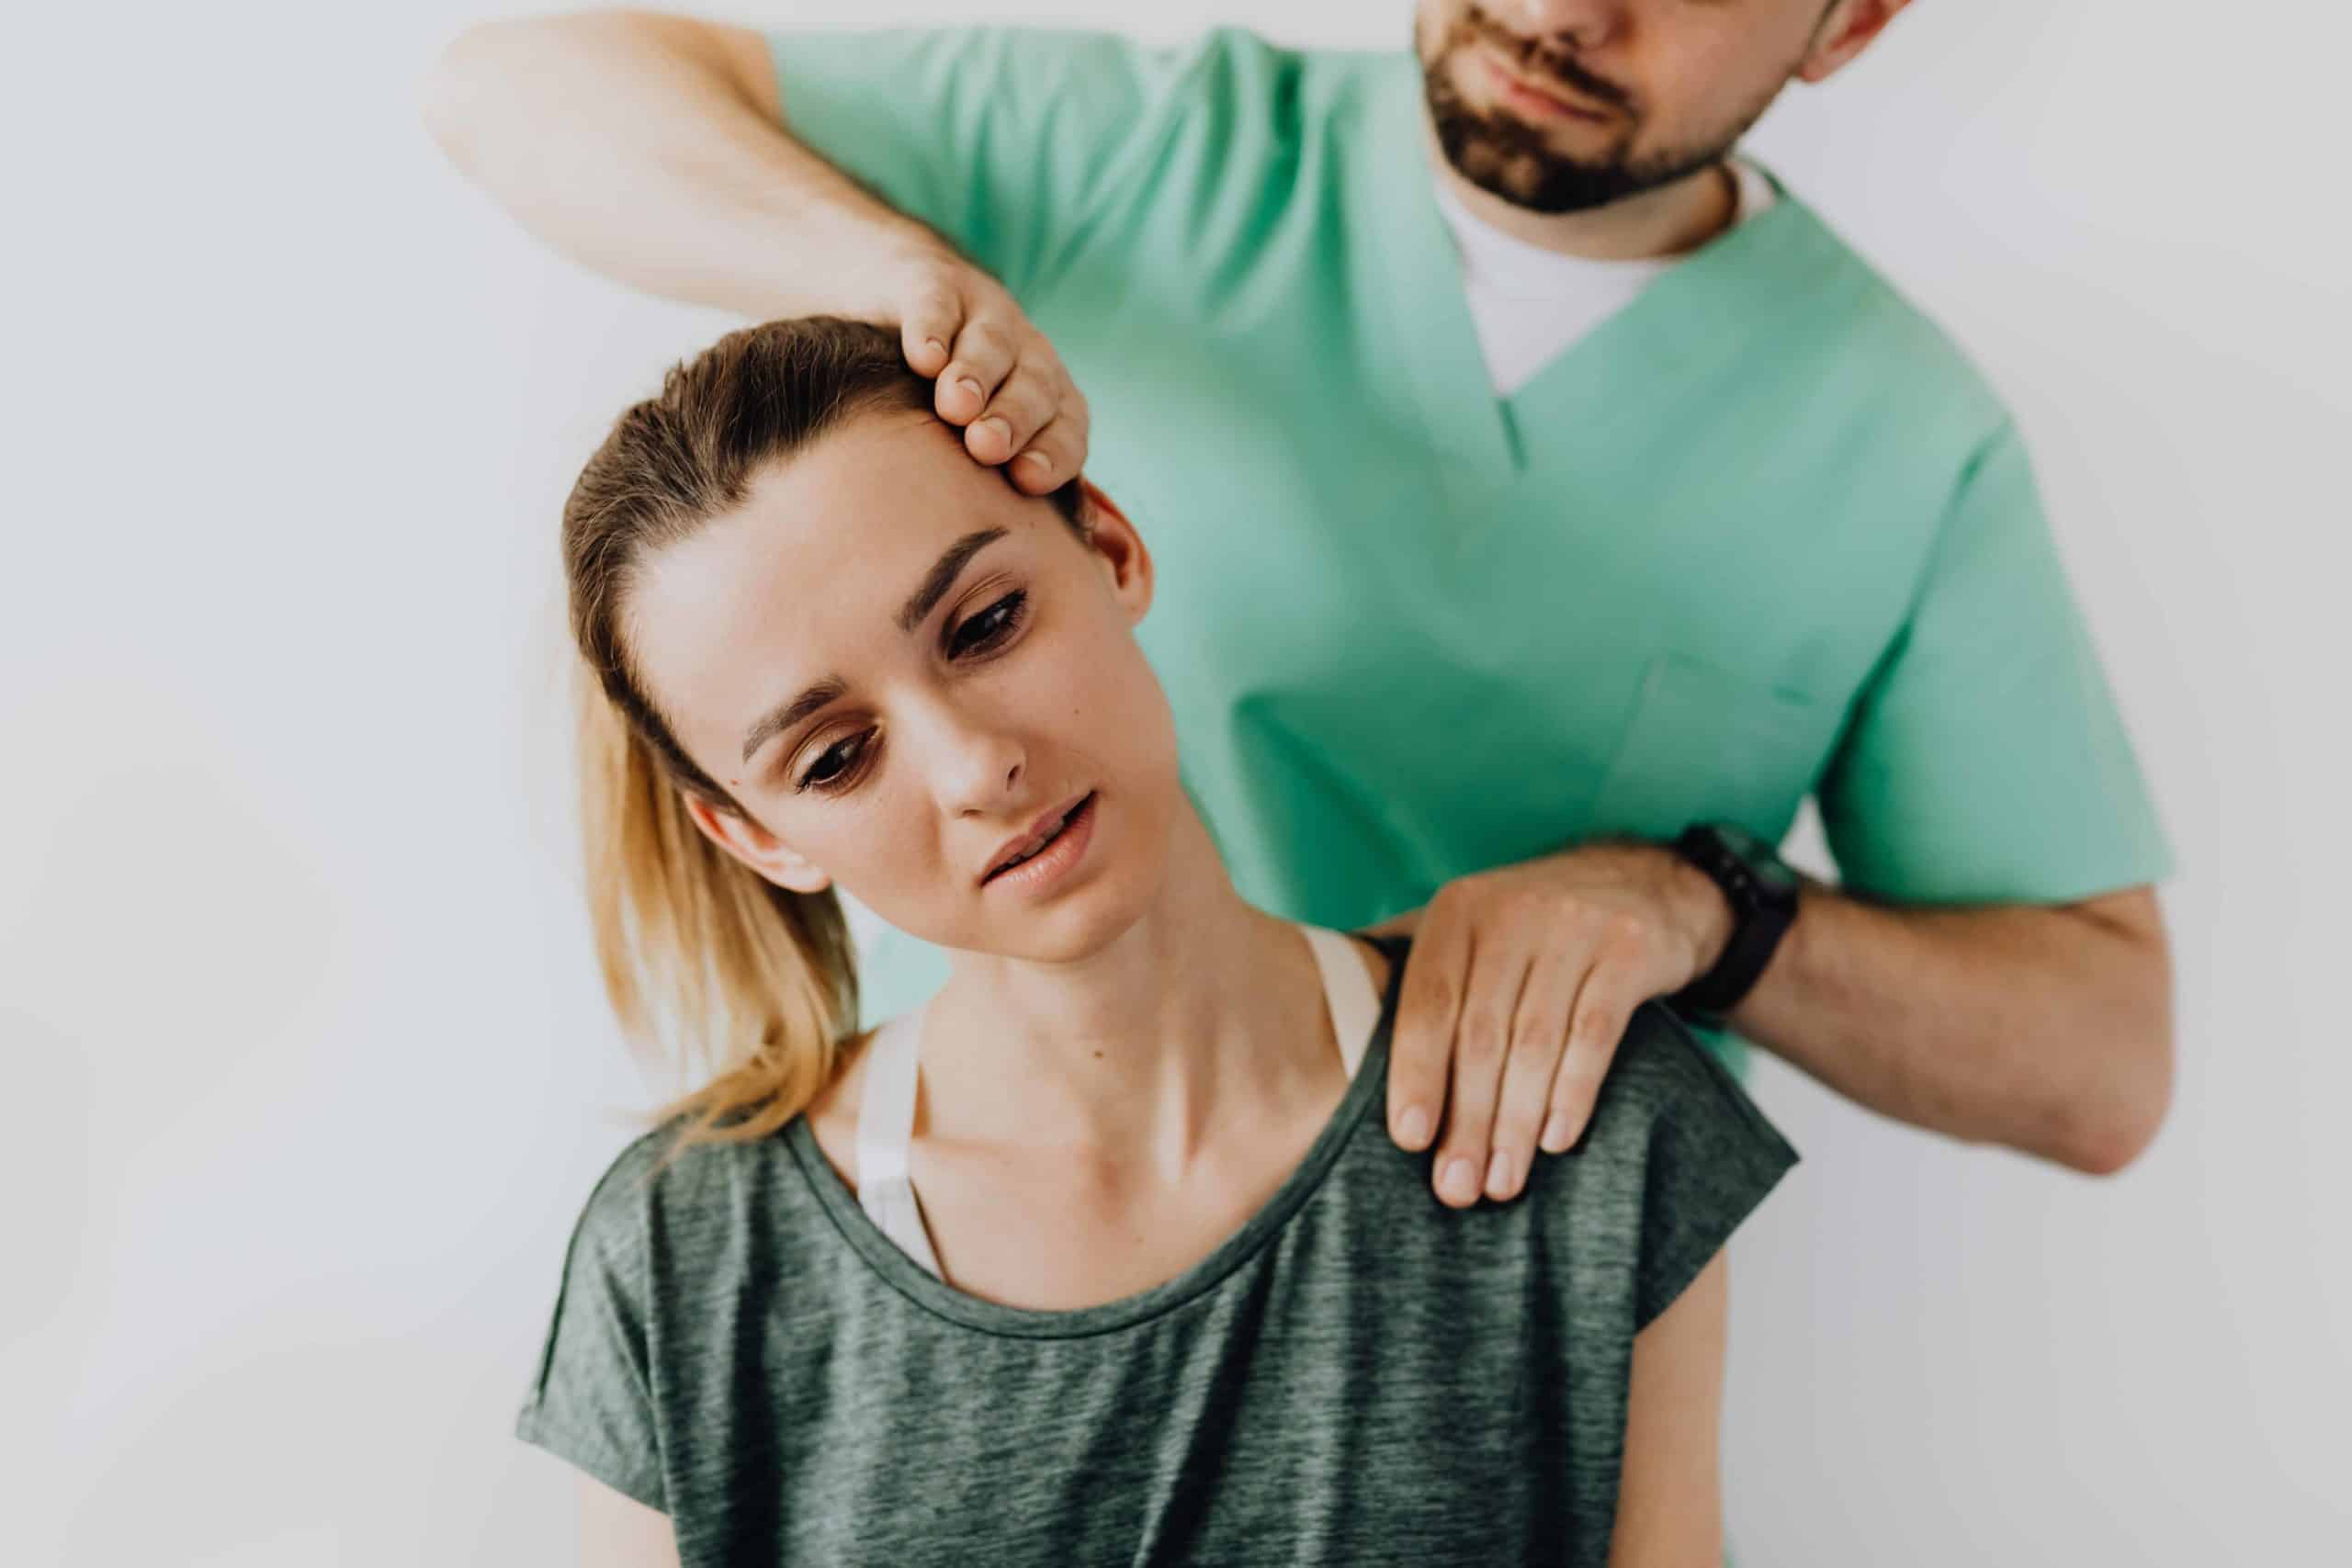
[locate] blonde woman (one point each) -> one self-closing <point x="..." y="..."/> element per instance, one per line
<point x="1102" y="1256"/>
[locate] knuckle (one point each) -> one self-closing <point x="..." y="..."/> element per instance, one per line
<point x="1021" y="394"/>
<point x="936" y="303"/>
<point x="984" y="339"/>
<point x="1481" y="1040"/>
<point x="1535" y="1037"/>
<point x="1439" y="995"/>
<point x="1590" y="1046"/>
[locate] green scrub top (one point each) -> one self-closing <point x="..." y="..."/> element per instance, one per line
<point x="1761" y="535"/>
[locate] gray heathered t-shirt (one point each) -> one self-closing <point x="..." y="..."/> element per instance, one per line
<point x="1359" y="1375"/>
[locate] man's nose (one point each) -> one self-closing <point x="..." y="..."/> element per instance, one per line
<point x="1572" y="24"/>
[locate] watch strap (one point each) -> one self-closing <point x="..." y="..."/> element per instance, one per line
<point x="1760" y="916"/>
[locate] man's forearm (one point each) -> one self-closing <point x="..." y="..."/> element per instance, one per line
<point x="651" y="149"/>
<point x="2048" y="1029"/>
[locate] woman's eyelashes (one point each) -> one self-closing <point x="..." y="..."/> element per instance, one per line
<point x="838" y="766"/>
<point x="990" y="628"/>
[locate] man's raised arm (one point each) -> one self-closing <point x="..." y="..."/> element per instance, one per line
<point x="652" y="149"/>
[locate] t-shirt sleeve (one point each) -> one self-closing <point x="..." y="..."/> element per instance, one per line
<point x="1004" y="140"/>
<point x="1711" y="1156"/>
<point x="1986" y="762"/>
<point x="592" y="1400"/>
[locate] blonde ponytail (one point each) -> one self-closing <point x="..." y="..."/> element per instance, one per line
<point x="705" y="960"/>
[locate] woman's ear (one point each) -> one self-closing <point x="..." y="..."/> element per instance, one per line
<point x="757" y="848"/>
<point x="1113" y="538"/>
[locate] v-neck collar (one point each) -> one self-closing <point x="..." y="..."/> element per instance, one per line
<point x="1700" y="309"/>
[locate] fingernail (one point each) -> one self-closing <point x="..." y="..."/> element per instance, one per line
<point x="999" y="425"/>
<point x="1460" y="1182"/>
<point x="1558" y="1133"/>
<point x="1498" y="1176"/>
<point x="934" y="346"/>
<point x="1415" y="1127"/>
<point x="969" y="385"/>
<point x="1036" y="462"/>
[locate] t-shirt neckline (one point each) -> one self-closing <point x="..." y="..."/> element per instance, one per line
<point x="911" y="1279"/>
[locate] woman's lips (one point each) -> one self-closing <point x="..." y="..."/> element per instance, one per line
<point x="1046" y="868"/>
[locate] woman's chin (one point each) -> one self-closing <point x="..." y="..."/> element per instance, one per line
<point x="1078" y="921"/>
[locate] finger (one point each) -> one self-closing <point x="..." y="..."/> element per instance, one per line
<point x="1020" y="409"/>
<point x="1422" y="1043"/>
<point x="1539" y="1036"/>
<point x="930" y="324"/>
<point x="1481" y="1038"/>
<point x="983" y="355"/>
<point x="1608" y="998"/>
<point x="1055" y="454"/>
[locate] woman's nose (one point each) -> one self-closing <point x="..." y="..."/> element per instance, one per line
<point x="980" y="769"/>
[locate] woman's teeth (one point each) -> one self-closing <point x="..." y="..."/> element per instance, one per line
<point x="1047" y="836"/>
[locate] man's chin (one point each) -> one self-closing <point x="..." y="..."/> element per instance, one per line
<point x="1548" y="184"/>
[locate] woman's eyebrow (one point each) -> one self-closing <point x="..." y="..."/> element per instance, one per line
<point x="785" y="714"/>
<point x="942" y="574"/>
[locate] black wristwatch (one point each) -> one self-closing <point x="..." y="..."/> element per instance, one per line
<point x="1763" y="894"/>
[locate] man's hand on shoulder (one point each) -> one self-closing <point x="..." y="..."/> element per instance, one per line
<point x="1519" y="987"/>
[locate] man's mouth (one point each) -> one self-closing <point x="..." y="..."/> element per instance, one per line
<point x="1543" y="97"/>
<point x="1040" y="841"/>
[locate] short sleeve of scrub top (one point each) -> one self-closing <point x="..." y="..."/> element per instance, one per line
<point x="1986" y="760"/>
<point x="1001" y="139"/>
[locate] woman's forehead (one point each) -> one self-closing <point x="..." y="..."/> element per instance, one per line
<point x="813" y="568"/>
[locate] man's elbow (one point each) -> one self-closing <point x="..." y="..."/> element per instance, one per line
<point x="2111" y="1121"/>
<point x="2121" y="1118"/>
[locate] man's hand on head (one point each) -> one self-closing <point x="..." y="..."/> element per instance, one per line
<point x="997" y="376"/>
<point x="1517" y="990"/>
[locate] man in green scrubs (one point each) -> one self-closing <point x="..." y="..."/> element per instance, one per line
<point x="1530" y="483"/>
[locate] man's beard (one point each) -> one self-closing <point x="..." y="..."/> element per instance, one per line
<point x="1511" y="158"/>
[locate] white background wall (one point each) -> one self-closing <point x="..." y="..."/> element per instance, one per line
<point x="306" y="1066"/>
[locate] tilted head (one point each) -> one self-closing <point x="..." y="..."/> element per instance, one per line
<point x="848" y="654"/>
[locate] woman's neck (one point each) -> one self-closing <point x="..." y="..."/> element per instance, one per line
<point x="1133" y="1048"/>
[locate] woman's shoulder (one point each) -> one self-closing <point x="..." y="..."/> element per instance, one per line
<point x="1662" y="1072"/>
<point x="1675" y="1159"/>
<point x="675" y="1191"/>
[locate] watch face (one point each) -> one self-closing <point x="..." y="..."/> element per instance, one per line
<point x="1763" y="862"/>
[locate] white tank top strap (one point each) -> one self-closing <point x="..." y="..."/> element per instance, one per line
<point x="1347" y="991"/>
<point x="886" y="1127"/>
<point x="886" y="1108"/>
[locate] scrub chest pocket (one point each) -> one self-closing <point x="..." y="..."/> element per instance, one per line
<point x="1707" y="745"/>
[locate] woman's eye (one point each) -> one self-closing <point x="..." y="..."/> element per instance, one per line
<point x="989" y="627"/>
<point x="833" y="765"/>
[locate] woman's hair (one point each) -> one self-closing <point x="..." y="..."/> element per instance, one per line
<point x="703" y="958"/>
